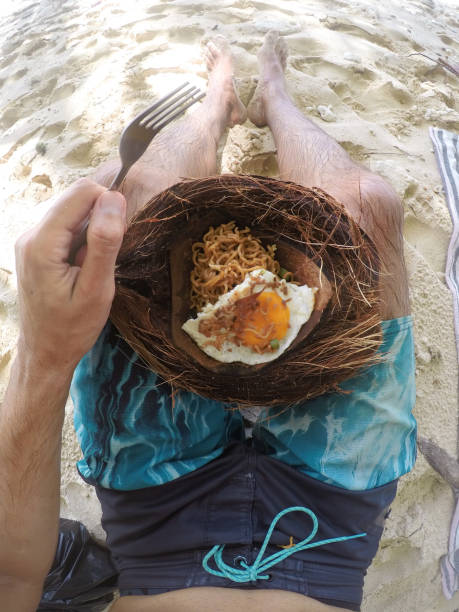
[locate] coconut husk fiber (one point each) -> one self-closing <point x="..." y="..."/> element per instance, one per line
<point x="316" y="239"/>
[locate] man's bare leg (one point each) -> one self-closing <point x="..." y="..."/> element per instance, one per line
<point x="309" y="157"/>
<point x="187" y="148"/>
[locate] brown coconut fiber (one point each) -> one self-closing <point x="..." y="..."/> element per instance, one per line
<point x="316" y="240"/>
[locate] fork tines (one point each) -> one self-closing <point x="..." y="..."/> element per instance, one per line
<point x="160" y="114"/>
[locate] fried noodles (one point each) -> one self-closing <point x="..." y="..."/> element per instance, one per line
<point x="222" y="260"/>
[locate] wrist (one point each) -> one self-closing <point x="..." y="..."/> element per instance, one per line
<point x="37" y="369"/>
<point x="34" y="402"/>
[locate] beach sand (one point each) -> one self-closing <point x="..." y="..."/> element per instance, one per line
<point x="72" y="74"/>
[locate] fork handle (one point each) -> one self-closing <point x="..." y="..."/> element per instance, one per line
<point x="80" y="240"/>
<point x="119" y="178"/>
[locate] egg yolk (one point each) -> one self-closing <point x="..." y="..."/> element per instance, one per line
<point x="267" y="321"/>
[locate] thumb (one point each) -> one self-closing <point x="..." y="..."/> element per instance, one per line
<point x="105" y="235"/>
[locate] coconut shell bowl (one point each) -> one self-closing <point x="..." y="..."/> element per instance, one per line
<point x="316" y="240"/>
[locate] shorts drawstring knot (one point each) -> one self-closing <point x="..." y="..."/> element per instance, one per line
<point x="255" y="571"/>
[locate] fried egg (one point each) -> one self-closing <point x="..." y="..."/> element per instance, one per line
<point x="253" y="323"/>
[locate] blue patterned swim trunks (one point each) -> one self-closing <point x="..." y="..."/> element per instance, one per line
<point x="134" y="434"/>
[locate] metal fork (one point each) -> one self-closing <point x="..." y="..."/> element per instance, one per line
<point x="140" y="132"/>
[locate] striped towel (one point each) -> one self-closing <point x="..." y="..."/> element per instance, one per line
<point x="446" y="146"/>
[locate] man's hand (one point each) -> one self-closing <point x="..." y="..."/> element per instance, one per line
<point x="63" y="307"/>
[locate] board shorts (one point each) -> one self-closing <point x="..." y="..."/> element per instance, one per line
<point x="177" y="475"/>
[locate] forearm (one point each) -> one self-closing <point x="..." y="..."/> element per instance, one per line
<point x="63" y="306"/>
<point x="31" y="419"/>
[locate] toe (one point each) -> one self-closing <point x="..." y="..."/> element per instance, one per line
<point x="208" y="57"/>
<point x="272" y="37"/>
<point x="221" y="42"/>
<point x="212" y="49"/>
<point x="282" y="51"/>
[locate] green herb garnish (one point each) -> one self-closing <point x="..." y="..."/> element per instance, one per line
<point x="282" y="272"/>
<point x="274" y="344"/>
<point x="285" y="274"/>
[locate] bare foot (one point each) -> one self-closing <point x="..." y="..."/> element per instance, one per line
<point x="221" y="88"/>
<point x="272" y="59"/>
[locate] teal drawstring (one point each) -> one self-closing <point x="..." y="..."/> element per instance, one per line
<point x="255" y="572"/>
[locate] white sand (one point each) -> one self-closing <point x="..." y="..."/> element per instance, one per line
<point x="73" y="73"/>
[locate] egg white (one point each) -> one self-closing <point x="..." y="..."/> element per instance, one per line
<point x="300" y="305"/>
